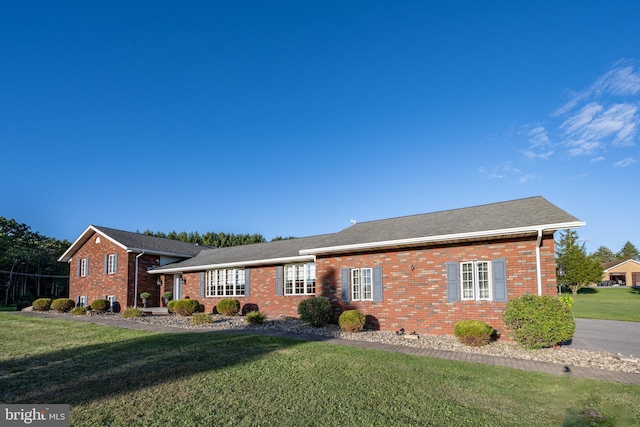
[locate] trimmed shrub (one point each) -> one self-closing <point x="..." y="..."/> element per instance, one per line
<point x="315" y="310"/>
<point x="170" y="305"/>
<point x="539" y="321"/>
<point x="255" y="318"/>
<point x="473" y="332"/>
<point x="78" y="311"/>
<point x="228" y="306"/>
<point x="567" y="300"/>
<point x="100" y="305"/>
<point x="200" y="319"/>
<point x="185" y="307"/>
<point x="42" y="304"/>
<point x="62" y="305"/>
<point x="131" y="312"/>
<point x="351" y="321"/>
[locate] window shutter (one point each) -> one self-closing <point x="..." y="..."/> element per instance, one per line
<point x="78" y="301"/>
<point x="87" y="266"/>
<point x="79" y="267"/>
<point x="115" y="263"/>
<point x="247" y="282"/>
<point x="344" y="283"/>
<point x="202" y="284"/>
<point x="279" y="280"/>
<point x="499" y="270"/>
<point x="377" y="284"/>
<point x="453" y="286"/>
<point x="106" y="263"/>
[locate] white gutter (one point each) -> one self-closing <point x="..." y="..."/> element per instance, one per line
<point x="284" y="260"/>
<point x="440" y="238"/>
<point x="135" y="283"/>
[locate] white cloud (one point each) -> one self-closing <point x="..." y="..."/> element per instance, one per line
<point x="506" y="170"/>
<point x="624" y="162"/>
<point x="597" y="159"/>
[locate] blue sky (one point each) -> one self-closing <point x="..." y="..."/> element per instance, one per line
<point x="294" y="117"/>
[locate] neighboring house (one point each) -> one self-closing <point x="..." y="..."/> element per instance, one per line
<point x="622" y="273"/>
<point x="113" y="264"/>
<point x="423" y="273"/>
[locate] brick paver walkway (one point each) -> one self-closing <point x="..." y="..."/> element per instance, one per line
<point x="525" y="365"/>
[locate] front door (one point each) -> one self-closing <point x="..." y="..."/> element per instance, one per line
<point x="177" y="287"/>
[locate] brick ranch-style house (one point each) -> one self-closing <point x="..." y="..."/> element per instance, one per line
<point x="423" y="273"/>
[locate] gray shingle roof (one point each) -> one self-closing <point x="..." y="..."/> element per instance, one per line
<point x="279" y="249"/>
<point x="529" y="212"/>
<point x="151" y="243"/>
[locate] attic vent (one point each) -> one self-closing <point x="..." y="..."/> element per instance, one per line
<point x="98" y="239"/>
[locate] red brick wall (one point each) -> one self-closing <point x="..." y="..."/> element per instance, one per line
<point x="97" y="284"/>
<point x="415" y="300"/>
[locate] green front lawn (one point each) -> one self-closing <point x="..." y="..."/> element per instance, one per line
<point x="607" y="303"/>
<point x="120" y="377"/>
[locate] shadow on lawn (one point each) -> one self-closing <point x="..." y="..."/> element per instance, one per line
<point x="87" y="373"/>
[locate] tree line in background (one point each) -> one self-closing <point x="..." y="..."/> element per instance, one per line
<point x="29" y="266"/>
<point x="577" y="269"/>
<point x="213" y="239"/>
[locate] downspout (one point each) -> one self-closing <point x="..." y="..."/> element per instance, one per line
<point x="135" y="282"/>
<point x="538" y="267"/>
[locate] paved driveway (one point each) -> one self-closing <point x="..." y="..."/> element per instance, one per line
<point x="607" y="335"/>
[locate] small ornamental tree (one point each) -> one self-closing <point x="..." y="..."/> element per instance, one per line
<point x="579" y="269"/>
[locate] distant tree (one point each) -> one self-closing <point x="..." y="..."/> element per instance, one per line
<point x="604" y="254"/>
<point x="212" y="239"/>
<point x="275" y="239"/>
<point x="628" y="251"/>
<point x="579" y="269"/>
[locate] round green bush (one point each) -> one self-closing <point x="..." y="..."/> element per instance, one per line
<point x="132" y="312"/>
<point x="539" y="321"/>
<point x="200" y="319"/>
<point x="228" y="306"/>
<point x="42" y="304"/>
<point x="473" y="332"/>
<point x="315" y="310"/>
<point x="78" y="311"/>
<point x="62" y="305"/>
<point x="170" y="305"/>
<point x="567" y="300"/>
<point x="351" y="321"/>
<point x="255" y="318"/>
<point x="185" y="307"/>
<point x="100" y="305"/>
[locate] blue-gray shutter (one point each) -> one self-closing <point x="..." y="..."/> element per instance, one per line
<point x="247" y="282"/>
<point x="499" y="270"/>
<point x="279" y="280"/>
<point x="453" y="284"/>
<point x="202" y="284"/>
<point x="115" y="263"/>
<point x="79" y="266"/>
<point x="377" y="284"/>
<point x="87" y="266"/>
<point x="344" y="283"/>
<point x="106" y="263"/>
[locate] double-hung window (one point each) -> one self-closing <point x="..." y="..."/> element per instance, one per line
<point x="475" y="280"/>
<point x="362" y="284"/>
<point x="84" y="267"/>
<point x="225" y="282"/>
<point x="300" y="279"/>
<point x="112" y="264"/>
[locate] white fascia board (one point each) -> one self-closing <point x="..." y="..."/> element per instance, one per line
<point x="620" y="264"/>
<point x="441" y="238"/>
<point x="82" y="239"/>
<point x="285" y="260"/>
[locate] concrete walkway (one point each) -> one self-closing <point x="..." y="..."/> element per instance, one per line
<point x="521" y="364"/>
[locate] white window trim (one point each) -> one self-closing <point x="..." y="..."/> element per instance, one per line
<point x="84" y="264"/>
<point x="83" y="301"/>
<point x="358" y="290"/>
<point x="220" y="281"/>
<point x="476" y="281"/>
<point x="308" y="279"/>
<point x="111" y="264"/>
